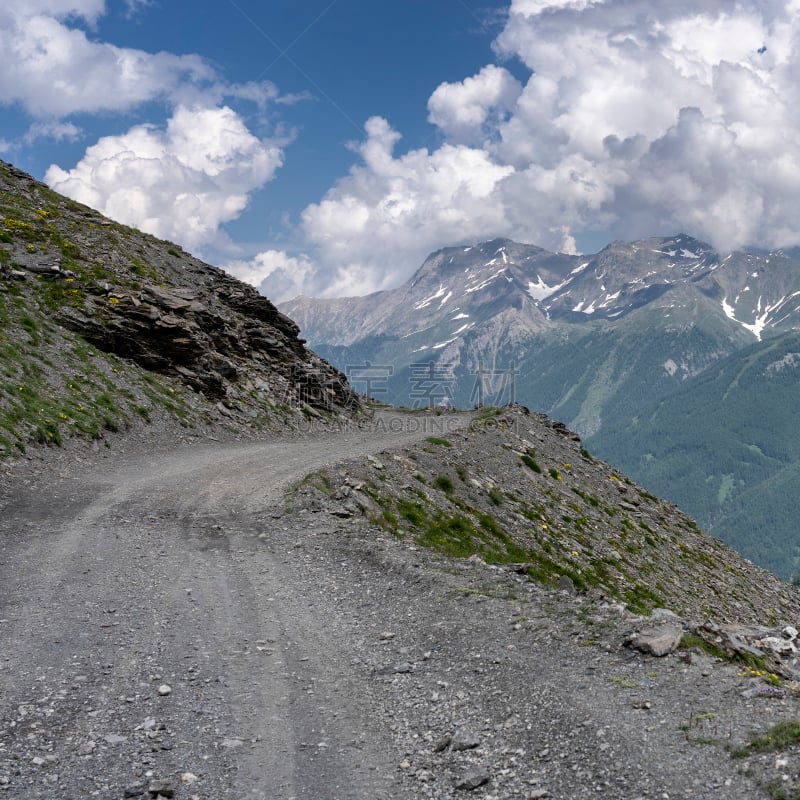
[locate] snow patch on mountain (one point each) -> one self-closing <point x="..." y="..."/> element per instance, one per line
<point x="486" y="281"/>
<point x="539" y="290"/>
<point x="590" y="309"/>
<point x="762" y="315"/>
<point x="428" y="300"/>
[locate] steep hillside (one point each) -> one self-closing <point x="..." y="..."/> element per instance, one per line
<point x="103" y="327"/>
<point x="726" y="447"/>
<point x="519" y="490"/>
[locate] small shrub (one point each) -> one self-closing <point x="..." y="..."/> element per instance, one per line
<point x="530" y="462"/>
<point x="489" y="524"/>
<point x="412" y="512"/>
<point x="48" y="433"/>
<point x="444" y="483"/>
<point x="142" y="411"/>
<point x="496" y="496"/>
<point x="437" y="440"/>
<point x="29" y="325"/>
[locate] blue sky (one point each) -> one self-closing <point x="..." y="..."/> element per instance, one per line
<point x="326" y="146"/>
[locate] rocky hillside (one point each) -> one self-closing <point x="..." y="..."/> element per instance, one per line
<point x="519" y="491"/>
<point x="511" y="591"/>
<point x="103" y="327"/>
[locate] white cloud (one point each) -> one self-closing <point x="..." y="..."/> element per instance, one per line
<point x="390" y="207"/>
<point x="88" y="10"/>
<point x="462" y="111"/>
<point x="135" y="6"/>
<point x="637" y="118"/>
<point x="52" y="69"/>
<point x="180" y="182"/>
<point x="274" y="273"/>
<point x="58" y="131"/>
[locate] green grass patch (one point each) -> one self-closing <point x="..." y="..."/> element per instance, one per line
<point x="780" y="736"/>
<point x="530" y="462"/>
<point x="496" y="496"/>
<point x="444" y="483"/>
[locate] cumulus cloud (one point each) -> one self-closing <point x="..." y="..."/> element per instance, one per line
<point x="182" y="179"/>
<point x="274" y="273"/>
<point x="636" y="118"/>
<point x="390" y="206"/>
<point x="53" y="69"/>
<point x="464" y="111"/>
<point x="180" y="182"/>
<point x="57" y="131"/>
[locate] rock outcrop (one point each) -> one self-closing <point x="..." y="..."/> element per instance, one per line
<point x="152" y="305"/>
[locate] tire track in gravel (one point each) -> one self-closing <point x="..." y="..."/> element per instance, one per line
<point x="171" y="570"/>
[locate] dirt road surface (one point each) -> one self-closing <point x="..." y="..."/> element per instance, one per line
<point x="150" y="628"/>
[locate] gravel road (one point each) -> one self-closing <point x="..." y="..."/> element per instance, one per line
<point x="169" y="628"/>
<point x="150" y="629"/>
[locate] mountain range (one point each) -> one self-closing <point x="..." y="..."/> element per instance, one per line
<point x="676" y="363"/>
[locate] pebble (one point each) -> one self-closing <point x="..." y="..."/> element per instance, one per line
<point x="231" y="742"/>
<point x="164" y="690"/>
<point x="465" y="740"/>
<point x="164" y="788"/>
<point x="472" y="780"/>
<point x="442" y="744"/>
<point x="401" y="668"/>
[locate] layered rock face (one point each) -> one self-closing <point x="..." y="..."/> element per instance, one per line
<point x="151" y="303"/>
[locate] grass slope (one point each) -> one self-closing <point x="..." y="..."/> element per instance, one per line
<point x="726" y="447"/>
